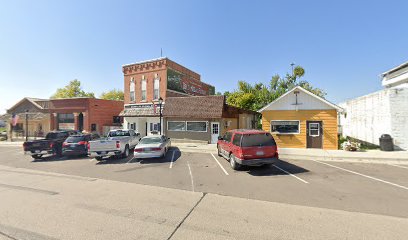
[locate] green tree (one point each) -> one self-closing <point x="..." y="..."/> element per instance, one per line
<point x="256" y="96"/>
<point x="72" y="90"/>
<point x="114" y="94"/>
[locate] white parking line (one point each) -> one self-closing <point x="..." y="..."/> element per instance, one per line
<point x="129" y="161"/>
<point x="219" y="164"/>
<point x="298" y="178"/>
<point x="172" y="159"/>
<point x="191" y="176"/>
<point x="363" y="175"/>
<point x="398" y="166"/>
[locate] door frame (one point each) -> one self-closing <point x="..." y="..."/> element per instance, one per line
<point x="211" y="131"/>
<point x="308" y="143"/>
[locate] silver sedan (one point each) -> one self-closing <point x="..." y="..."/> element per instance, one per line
<point x="155" y="146"/>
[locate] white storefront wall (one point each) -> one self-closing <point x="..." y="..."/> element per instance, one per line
<point x="139" y="124"/>
<point x="382" y="112"/>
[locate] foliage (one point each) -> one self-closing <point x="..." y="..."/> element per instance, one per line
<point x="256" y="96"/>
<point x="114" y="94"/>
<point x="72" y="90"/>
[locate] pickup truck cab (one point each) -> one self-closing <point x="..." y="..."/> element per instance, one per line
<point x="248" y="147"/>
<point x="117" y="143"/>
<point x="51" y="145"/>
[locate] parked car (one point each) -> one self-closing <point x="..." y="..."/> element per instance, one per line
<point x="154" y="146"/>
<point x="51" y="145"/>
<point x="248" y="147"/>
<point x="118" y="143"/>
<point x="77" y="145"/>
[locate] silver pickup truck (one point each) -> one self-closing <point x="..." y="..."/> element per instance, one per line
<point x="118" y="143"/>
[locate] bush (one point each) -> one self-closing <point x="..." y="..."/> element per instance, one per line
<point x="340" y="141"/>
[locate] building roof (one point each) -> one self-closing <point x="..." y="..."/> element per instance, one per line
<point x="312" y="95"/>
<point x="37" y="102"/>
<point x="145" y="61"/>
<point x="395" y="69"/>
<point x="194" y="107"/>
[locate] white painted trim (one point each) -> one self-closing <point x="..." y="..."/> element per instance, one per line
<point x="318" y="129"/>
<point x="339" y="109"/>
<point x="180" y="93"/>
<point x="278" y="133"/>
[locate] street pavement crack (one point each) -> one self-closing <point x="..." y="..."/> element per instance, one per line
<point x="188" y="214"/>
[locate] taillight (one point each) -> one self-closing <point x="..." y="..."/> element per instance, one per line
<point x="89" y="146"/>
<point x="82" y="142"/>
<point x="240" y="154"/>
<point x="51" y="145"/>
<point x="64" y="144"/>
<point x="117" y="144"/>
<point x="138" y="150"/>
<point x="155" y="149"/>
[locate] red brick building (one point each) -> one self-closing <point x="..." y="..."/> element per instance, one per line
<point x="83" y="114"/>
<point x="147" y="81"/>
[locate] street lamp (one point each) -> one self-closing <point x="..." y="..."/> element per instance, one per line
<point x="160" y="114"/>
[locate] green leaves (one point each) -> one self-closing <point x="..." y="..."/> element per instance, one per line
<point x="72" y="90"/>
<point x="256" y="96"/>
<point x="114" y="94"/>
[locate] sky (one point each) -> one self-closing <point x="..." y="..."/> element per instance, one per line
<point x="344" y="45"/>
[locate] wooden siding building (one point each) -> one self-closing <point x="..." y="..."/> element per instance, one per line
<point x="300" y="119"/>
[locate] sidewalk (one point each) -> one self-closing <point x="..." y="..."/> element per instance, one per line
<point x="395" y="157"/>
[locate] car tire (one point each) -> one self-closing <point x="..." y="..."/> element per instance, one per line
<point x="219" y="151"/>
<point x="126" y="152"/>
<point x="234" y="165"/>
<point x="99" y="158"/>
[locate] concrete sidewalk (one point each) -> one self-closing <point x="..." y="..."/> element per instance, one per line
<point x="44" y="205"/>
<point x="376" y="156"/>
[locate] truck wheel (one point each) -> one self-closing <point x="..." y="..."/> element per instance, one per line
<point x="36" y="156"/>
<point x="126" y="152"/>
<point x="234" y="165"/>
<point x="99" y="158"/>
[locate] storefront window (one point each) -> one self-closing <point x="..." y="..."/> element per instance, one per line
<point x="197" y="126"/>
<point x="285" y="127"/>
<point x="176" y="126"/>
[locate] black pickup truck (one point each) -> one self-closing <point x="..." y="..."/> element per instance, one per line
<point x="51" y="145"/>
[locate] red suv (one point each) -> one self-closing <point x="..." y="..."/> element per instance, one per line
<point x="248" y="147"/>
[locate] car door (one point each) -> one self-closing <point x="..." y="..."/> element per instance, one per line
<point x="133" y="139"/>
<point x="226" y="143"/>
<point x="235" y="144"/>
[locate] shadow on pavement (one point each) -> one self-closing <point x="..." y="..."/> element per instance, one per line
<point x="272" y="170"/>
<point x="63" y="158"/>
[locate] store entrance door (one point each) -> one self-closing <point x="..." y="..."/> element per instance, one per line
<point x="215" y="131"/>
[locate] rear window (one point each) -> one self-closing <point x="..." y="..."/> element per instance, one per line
<point x="237" y="139"/>
<point x="75" y="139"/>
<point x="54" y="135"/>
<point x="119" y="134"/>
<point x="151" y="140"/>
<point x="257" y="140"/>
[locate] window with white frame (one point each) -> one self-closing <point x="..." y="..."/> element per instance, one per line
<point x="197" y="126"/>
<point x="132" y="90"/>
<point x="156" y="88"/>
<point x="154" y="127"/>
<point x="285" y="127"/>
<point x="176" y="126"/>
<point x="144" y="90"/>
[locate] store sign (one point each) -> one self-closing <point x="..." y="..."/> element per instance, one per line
<point x="66" y="126"/>
<point x="139" y="106"/>
<point x="179" y="82"/>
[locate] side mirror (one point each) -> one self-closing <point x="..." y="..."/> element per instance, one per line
<point x="220" y="138"/>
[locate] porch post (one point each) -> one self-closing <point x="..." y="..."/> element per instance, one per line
<point x="76" y="121"/>
<point x="54" y="121"/>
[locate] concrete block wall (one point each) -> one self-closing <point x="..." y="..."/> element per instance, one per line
<point x="382" y="112"/>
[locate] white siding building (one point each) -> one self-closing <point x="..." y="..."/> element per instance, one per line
<point x="384" y="112"/>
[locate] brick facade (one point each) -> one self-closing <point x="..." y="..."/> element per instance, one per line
<point x="149" y="70"/>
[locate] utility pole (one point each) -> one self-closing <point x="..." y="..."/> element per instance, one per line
<point x="26" y="125"/>
<point x="160" y="114"/>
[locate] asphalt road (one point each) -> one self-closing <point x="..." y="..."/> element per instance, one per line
<point x="356" y="187"/>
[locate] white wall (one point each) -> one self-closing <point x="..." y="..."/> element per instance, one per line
<point x="382" y="112"/>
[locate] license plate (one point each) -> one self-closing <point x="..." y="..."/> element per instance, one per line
<point x="147" y="149"/>
<point x="37" y="151"/>
<point x="259" y="153"/>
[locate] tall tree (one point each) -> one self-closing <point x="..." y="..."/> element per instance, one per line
<point x="114" y="94"/>
<point x="72" y="90"/>
<point x="258" y="95"/>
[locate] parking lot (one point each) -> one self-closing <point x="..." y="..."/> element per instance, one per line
<point x="356" y="187"/>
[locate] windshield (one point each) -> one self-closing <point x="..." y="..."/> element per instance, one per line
<point x="75" y="139"/>
<point x="258" y="140"/>
<point x="119" y="134"/>
<point x="150" y="140"/>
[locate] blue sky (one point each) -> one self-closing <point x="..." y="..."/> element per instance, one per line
<point x="343" y="45"/>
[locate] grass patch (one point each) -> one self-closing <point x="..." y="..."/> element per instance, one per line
<point x="2" y="129"/>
